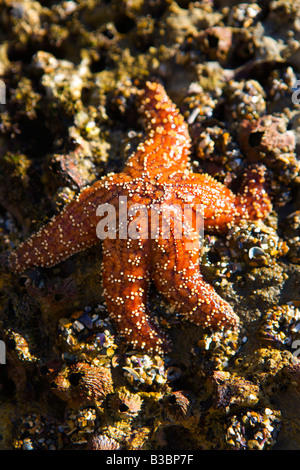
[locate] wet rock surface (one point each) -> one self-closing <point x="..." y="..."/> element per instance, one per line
<point x="70" y="72"/>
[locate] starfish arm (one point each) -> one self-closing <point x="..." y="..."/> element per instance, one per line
<point x="176" y="274"/>
<point x="253" y="201"/>
<point x="126" y="284"/>
<point x="168" y="142"/>
<point x="72" y="230"/>
<point x="214" y="201"/>
<point x="220" y="207"/>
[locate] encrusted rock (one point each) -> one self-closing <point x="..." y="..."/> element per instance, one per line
<point x="256" y="244"/>
<point x="253" y="430"/>
<point x="245" y="99"/>
<point x="267" y="140"/>
<point x="291" y="227"/>
<point x="231" y="390"/>
<point x="281" y="326"/>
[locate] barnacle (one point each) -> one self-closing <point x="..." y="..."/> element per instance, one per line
<point x="82" y="383"/>
<point x="125" y="404"/>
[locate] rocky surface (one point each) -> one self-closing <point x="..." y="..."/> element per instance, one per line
<point x="70" y="70"/>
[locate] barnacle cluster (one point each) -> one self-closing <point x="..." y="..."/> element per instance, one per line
<point x="253" y="430"/>
<point x="88" y="330"/>
<point x="281" y="325"/>
<point x="36" y="432"/>
<point x="256" y="244"/>
<point x="142" y="371"/>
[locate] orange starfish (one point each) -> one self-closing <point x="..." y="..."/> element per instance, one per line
<point x="157" y="175"/>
